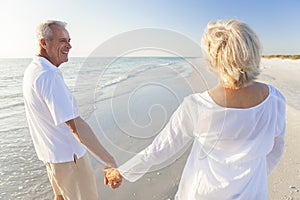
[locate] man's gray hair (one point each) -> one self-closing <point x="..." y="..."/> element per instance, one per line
<point x="44" y="31"/>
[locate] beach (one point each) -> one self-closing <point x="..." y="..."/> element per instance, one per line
<point x="284" y="181"/>
<point x="127" y="103"/>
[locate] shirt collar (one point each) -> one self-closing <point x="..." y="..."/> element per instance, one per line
<point x="46" y="63"/>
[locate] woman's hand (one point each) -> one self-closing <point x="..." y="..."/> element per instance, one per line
<point x="112" y="177"/>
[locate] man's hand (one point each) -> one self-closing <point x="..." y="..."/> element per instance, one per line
<point x="112" y="177"/>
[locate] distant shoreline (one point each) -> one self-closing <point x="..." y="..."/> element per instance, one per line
<point x="292" y="57"/>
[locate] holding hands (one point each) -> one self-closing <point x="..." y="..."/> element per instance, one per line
<point x="112" y="177"/>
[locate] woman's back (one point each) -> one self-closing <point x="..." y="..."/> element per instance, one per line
<point x="245" y="97"/>
<point x="233" y="148"/>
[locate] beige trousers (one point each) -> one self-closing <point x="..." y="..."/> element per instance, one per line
<point x="73" y="180"/>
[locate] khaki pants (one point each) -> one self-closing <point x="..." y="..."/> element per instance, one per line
<point x="73" y="180"/>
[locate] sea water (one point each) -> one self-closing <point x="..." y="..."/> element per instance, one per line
<point x="22" y="175"/>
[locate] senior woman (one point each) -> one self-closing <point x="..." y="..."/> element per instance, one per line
<point x="237" y="127"/>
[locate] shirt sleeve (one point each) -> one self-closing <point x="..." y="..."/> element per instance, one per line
<point x="175" y="135"/>
<point x="58" y="98"/>
<point x="276" y="153"/>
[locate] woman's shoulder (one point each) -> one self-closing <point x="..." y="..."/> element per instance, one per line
<point x="275" y="93"/>
<point x="201" y="99"/>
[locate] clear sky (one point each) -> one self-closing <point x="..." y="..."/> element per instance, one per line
<point x="91" y="22"/>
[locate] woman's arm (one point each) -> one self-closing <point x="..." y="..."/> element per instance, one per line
<point x="274" y="156"/>
<point x="175" y="135"/>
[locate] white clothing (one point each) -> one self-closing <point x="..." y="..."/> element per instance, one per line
<point x="233" y="149"/>
<point x="49" y="104"/>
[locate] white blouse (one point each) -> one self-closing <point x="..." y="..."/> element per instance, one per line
<point x="233" y="149"/>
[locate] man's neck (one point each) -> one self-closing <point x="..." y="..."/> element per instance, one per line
<point x="45" y="55"/>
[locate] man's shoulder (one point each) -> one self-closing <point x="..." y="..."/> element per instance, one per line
<point x="43" y="65"/>
<point x="38" y="72"/>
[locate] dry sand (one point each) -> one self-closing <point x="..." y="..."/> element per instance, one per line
<point x="284" y="181"/>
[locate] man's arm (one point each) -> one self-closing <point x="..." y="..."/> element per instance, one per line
<point x="85" y="135"/>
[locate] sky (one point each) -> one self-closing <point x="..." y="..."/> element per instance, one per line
<point x="92" y="22"/>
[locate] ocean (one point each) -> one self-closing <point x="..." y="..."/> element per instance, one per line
<point x="93" y="81"/>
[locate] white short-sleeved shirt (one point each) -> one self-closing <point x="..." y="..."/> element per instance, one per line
<point x="49" y="104"/>
<point x="233" y="149"/>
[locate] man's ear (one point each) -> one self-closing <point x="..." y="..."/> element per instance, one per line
<point x="43" y="43"/>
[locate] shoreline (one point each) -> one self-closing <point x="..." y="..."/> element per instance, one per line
<point x="291" y="57"/>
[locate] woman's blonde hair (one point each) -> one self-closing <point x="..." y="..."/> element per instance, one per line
<point x="232" y="51"/>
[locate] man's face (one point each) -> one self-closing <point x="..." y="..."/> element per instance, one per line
<point x="58" y="47"/>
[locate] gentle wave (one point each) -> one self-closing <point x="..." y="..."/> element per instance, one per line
<point x="132" y="74"/>
<point x="11" y="95"/>
<point x="12" y="77"/>
<point x="14" y="104"/>
<point x="13" y="129"/>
